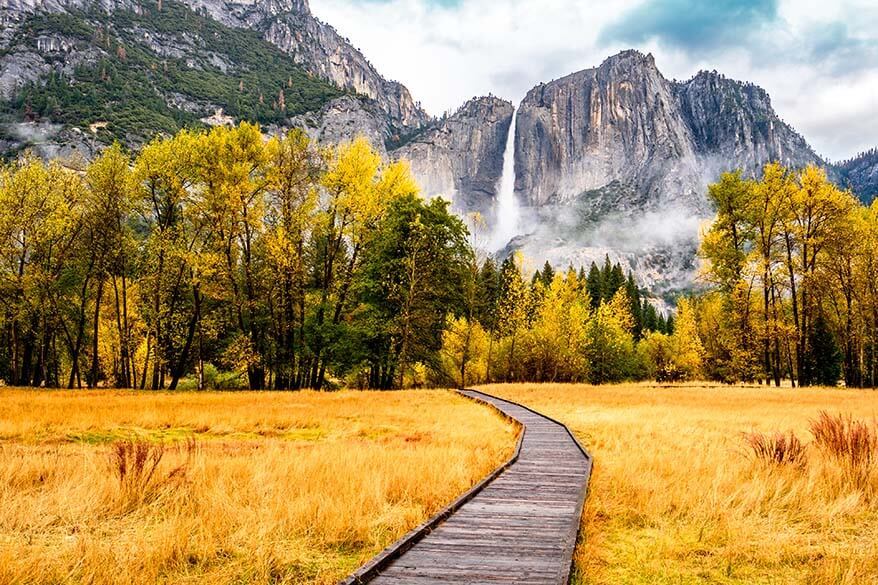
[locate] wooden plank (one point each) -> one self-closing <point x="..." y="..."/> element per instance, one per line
<point x="519" y="525"/>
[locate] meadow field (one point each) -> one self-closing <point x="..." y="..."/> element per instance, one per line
<point x="678" y="496"/>
<point x="121" y="487"/>
<point x="240" y="487"/>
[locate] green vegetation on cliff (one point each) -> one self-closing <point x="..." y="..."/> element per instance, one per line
<point x="158" y="70"/>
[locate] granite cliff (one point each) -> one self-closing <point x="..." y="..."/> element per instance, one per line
<point x="461" y="156"/>
<point x="616" y="160"/>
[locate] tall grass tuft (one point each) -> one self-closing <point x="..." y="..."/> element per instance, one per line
<point x="778" y="449"/>
<point x="136" y="463"/>
<point x="853" y="443"/>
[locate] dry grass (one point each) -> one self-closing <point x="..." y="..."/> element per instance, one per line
<point x="678" y="497"/>
<point x="119" y="487"/>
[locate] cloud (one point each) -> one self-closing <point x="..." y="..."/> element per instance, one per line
<point x="816" y="58"/>
<point x="693" y="24"/>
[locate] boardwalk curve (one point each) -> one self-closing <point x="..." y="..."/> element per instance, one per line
<point x="519" y="525"/>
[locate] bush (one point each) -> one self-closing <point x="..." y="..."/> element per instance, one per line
<point x="214" y="379"/>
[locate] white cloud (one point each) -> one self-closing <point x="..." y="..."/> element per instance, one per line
<point x="448" y="55"/>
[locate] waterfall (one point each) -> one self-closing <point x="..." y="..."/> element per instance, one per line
<point x="507" y="211"/>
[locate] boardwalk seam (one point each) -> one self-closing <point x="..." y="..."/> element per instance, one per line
<point x="378" y="563"/>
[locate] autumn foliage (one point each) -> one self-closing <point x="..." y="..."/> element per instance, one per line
<point x="792" y="261"/>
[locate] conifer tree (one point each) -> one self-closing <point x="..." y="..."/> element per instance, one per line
<point x="595" y="286"/>
<point x="824" y="362"/>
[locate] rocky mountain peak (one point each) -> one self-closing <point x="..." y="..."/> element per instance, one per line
<point x="487" y="108"/>
<point x="586" y="130"/>
<point x="620" y="144"/>
<point x="629" y="60"/>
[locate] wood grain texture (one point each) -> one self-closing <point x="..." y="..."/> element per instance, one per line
<point x="518" y="527"/>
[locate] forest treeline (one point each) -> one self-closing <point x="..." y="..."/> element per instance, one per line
<point x="789" y="293"/>
<point x="217" y="259"/>
<point x="794" y="263"/>
<point x="222" y="260"/>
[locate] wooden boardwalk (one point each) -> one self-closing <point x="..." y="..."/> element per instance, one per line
<point x="519" y="526"/>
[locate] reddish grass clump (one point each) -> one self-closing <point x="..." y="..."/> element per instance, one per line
<point x="778" y="449"/>
<point x="136" y="463"/>
<point x="852" y="441"/>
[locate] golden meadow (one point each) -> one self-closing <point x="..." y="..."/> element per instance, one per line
<point x="303" y="487"/>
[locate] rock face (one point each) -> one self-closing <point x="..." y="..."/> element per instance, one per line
<point x="860" y="174"/>
<point x="733" y="124"/>
<point x="616" y="160"/>
<point x="345" y="118"/>
<point x="461" y="157"/>
<point x="613" y="123"/>
<point x="624" y="123"/>
<point x="44" y="38"/>
<point x="319" y="49"/>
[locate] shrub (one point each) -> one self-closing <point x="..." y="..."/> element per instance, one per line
<point x="214" y="379"/>
<point x="779" y="449"/>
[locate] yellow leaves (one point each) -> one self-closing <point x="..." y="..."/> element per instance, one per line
<point x="112" y="188"/>
<point x="559" y="330"/>
<point x="678" y="356"/>
<point x="465" y="351"/>
<point x="819" y="207"/>
<point x="512" y="311"/>
<point x="231" y="169"/>
<point x="619" y="309"/>
<point x="360" y="187"/>
<point x="280" y="249"/>
<point x="397" y="181"/>
<point x="686" y="343"/>
<point x="240" y="354"/>
<point x="165" y="167"/>
<point x="351" y="179"/>
<point x="38" y="205"/>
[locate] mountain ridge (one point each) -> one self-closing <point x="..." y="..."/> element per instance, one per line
<point x="615" y="144"/>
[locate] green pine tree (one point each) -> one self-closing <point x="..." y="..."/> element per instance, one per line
<point x="824" y="358"/>
<point x="548" y="274"/>
<point x="595" y="285"/>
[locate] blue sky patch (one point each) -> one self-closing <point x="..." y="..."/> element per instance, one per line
<point x="692" y="24"/>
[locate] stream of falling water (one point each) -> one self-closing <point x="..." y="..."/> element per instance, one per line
<point x="507" y="212"/>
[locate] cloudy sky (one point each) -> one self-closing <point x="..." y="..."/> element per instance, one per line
<point x="817" y="58"/>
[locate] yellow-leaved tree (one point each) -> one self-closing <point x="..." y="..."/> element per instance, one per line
<point x="40" y="218"/>
<point x="609" y="341"/>
<point x="464" y="352"/>
<point x="556" y="342"/>
<point x="686" y="342"/>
